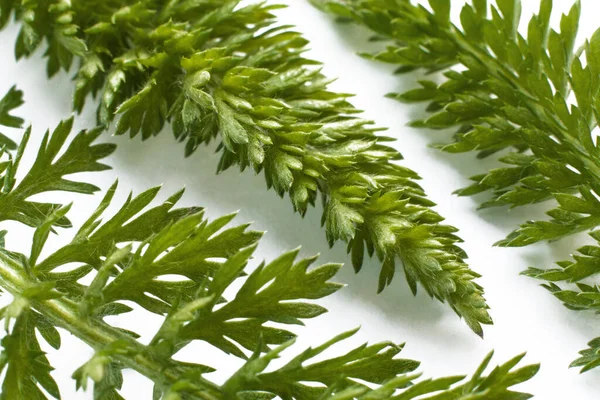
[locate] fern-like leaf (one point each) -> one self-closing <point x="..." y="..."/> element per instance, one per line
<point x="11" y="100"/>
<point x="219" y="70"/>
<point x="531" y="98"/>
<point x="208" y="258"/>
<point x="124" y="259"/>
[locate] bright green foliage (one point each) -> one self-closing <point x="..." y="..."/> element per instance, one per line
<point x="195" y="309"/>
<point x="582" y="296"/>
<point x="217" y="70"/>
<point x="10" y="101"/>
<point x="126" y="257"/>
<point x="47" y="173"/>
<point x="49" y="169"/>
<point x="27" y="368"/>
<point x="533" y="100"/>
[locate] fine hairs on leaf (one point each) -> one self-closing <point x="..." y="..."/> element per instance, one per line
<point x="532" y="100"/>
<point x="219" y="70"/>
<point x="124" y="257"/>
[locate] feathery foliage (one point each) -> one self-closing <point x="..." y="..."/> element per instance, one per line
<point x="533" y="101"/>
<point x="127" y="255"/>
<point x="219" y="70"/>
<point x="11" y="100"/>
<point x="48" y="171"/>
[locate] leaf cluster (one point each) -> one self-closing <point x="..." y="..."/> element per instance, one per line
<point x="127" y="257"/>
<point x="11" y="100"/>
<point x="217" y="70"/>
<point x="531" y="99"/>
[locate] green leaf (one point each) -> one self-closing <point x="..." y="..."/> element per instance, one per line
<point x="530" y="102"/>
<point x="375" y="364"/>
<point x="47" y="174"/>
<point x="441" y="8"/>
<point x="268" y="294"/>
<point x="28" y="369"/>
<point x="96" y="240"/>
<point x="215" y="71"/>
<point x="11" y="100"/>
<point x="511" y="10"/>
<point x="126" y="257"/>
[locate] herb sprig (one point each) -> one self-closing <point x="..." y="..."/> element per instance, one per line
<point x="218" y="70"/>
<point x="531" y="100"/>
<point x="124" y="257"/>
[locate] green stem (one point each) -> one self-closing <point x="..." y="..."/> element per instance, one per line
<point x="97" y="334"/>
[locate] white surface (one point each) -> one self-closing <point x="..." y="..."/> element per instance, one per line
<point x="527" y="318"/>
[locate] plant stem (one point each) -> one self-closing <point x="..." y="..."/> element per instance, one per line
<point x="97" y="334"/>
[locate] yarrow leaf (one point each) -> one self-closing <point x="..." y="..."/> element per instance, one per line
<point x="124" y="259"/>
<point x="273" y="292"/>
<point x="531" y="99"/>
<point x="225" y="71"/>
<point x="11" y="100"/>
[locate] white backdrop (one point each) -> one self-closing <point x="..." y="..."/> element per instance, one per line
<point x="527" y="318"/>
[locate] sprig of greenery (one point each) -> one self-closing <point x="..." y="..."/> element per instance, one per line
<point x="533" y="100"/>
<point x="219" y="70"/>
<point x="49" y="169"/>
<point x="582" y="296"/>
<point x="11" y="100"/>
<point x="126" y="257"/>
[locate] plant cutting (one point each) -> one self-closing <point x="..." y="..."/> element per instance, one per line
<point x="217" y="70"/>
<point x="82" y="287"/>
<point x="531" y="100"/>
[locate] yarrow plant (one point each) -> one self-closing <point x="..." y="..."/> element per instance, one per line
<point x="217" y="70"/>
<point x="125" y="257"/>
<point x="532" y="100"/>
